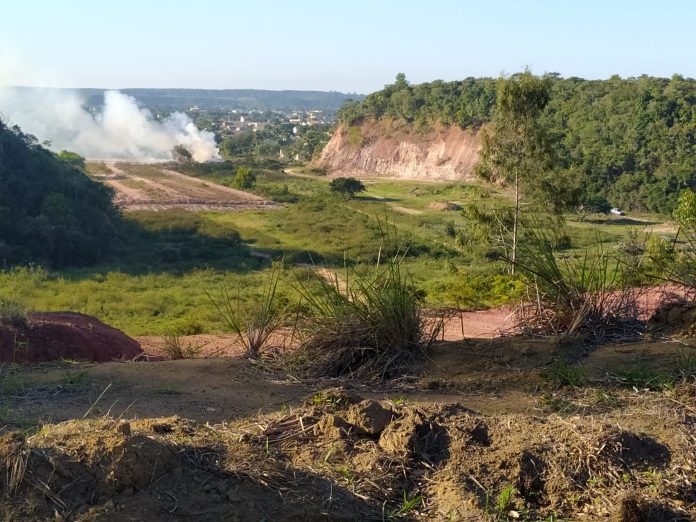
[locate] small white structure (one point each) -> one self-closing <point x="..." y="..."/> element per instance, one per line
<point x="617" y="211"/>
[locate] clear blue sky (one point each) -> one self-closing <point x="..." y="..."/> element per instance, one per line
<point x="355" y="46"/>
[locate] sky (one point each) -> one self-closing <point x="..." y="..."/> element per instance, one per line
<point x="349" y="46"/>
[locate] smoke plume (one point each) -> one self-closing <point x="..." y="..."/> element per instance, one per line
<point x="120" y="131"/>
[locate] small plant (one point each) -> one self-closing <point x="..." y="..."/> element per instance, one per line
<point x="504" y="500"/>
<point x="408" y="504"/>
<point x="73" y="380"/>
<point x="176" y="348"/>
<point x="12" y="313"/>
<point x="563" y="374"/>
<point x="253" y="326"/>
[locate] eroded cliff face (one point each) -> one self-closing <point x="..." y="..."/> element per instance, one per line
<point x="387" y="148"/>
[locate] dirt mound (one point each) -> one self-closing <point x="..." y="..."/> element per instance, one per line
<point x="64" y="335"/>
<point x="326" y="461"/>
<point x="444" y="206"/>
<point x="675" y="318"/>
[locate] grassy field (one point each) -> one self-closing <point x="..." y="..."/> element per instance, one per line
<point x="168" y="260"/>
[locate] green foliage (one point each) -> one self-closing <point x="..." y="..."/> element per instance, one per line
<point x="244" y="178"/>
<point x="594" y="204"/>
<point x="12" y="313"/>
<point x="253" y="325"/>
<point x="362" y="324"/>
<point x="50" y="211"/>
<point x="628" y="140"/>
<point x="347" y="186"/>
<point x="563" y="374"/>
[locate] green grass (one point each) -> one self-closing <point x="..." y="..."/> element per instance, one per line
<point x="157" y="281"/>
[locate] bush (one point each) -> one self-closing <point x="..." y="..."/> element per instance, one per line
<point x="592" y="293"/>
<point x="347" y="186"/>
<point x="176" y="348"/>
<point x="244" y="178"/>
<point x="12" y="313"/>
<point x="363" y="326"/>
<point x="253" y="325"/>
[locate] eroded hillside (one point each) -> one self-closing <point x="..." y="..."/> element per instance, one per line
<point x="391" y="149"/>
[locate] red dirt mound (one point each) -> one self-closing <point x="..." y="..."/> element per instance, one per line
<point x="64" y="335"/>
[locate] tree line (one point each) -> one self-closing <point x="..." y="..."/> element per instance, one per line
<point x="631" y="140"/>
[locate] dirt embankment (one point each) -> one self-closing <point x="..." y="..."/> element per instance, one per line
<point x="391" y="149"/>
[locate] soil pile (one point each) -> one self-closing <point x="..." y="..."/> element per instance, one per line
<point x="390" y="148"/>
<point x="338" y="457"/>
<point x="64" y="335"/>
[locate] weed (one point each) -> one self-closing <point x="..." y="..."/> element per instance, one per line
<point x="646" y="378"/>
<point x="176" y="348"/>
<point x="73" y="380"/>
<point x="593" y="293"/>
<point x="408" y="504"/>
<point x="253" y="326"/>
<point x="12" y="384"/>
<point x="167" y="389"/>
<point x="563" y="374"/>
<point x="363" y="324"/>
<point x="12" y="313"/>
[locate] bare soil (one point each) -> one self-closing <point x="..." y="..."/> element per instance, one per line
<point x="156" y="188"/>
<point x="477" y="432"/>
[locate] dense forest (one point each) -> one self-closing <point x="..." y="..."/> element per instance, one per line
<point x="631" y="140"/>
<point x="50" y="211"/>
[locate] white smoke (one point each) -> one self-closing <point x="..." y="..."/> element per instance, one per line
<point x="121" y="131"/>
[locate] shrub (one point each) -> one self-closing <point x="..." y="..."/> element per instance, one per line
<point x="347" y="186"/>
<point x="591" y="293"/>
<point x="244" y="178"/>
<point x="176" y="348"/>
<point x="253" y="325"/>
<point x="12" y="313"/>
<point x="363" y="326"/>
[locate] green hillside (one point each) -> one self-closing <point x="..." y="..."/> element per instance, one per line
<point x="632" y="140"/>
<point x="50" y="211"/>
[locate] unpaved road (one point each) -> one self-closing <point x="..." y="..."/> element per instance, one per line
<point x="150" y="187"/>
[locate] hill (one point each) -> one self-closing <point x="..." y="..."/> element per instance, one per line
<point x="632" y="140"/>
<point x="227" y="99"/>
<point x="51" y="212"/>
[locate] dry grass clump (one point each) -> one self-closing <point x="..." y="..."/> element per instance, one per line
<point x="176" y="348"/>
<point x="364" y="326"/>
<point x="594" y="294"/>
<point x="12" y="313"/>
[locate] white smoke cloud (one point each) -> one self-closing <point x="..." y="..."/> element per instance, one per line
<point x="121" y="131"/>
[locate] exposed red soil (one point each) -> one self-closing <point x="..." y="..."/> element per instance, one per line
<point x="64" y="335"/>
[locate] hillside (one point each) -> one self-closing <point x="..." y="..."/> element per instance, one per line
<point x="51" y="212"/>
<point x="385" y="148"/>
<point x="632" y="140"/>
<point x="225" y="99"/>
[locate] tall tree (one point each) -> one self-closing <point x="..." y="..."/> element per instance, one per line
<point x="516" y="149"/>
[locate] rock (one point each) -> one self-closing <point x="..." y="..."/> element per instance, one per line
<point x="369" y="416"/>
